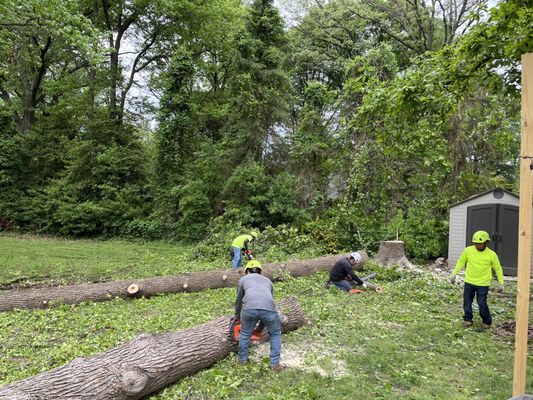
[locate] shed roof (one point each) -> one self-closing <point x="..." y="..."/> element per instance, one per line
<point x="483" y="194"/>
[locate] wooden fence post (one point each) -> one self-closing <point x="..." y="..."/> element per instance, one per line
<point x="524" y="230"/>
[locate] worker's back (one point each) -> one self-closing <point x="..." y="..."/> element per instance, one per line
<point x="258" y="292"/>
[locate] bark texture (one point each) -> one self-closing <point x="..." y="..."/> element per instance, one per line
<point x="391" y="252"/>
<point x="188" y="282"/>
<point x="142" y="366"/>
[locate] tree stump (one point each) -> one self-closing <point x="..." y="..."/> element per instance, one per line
<point x="142" y="366"/>
<point x="391" y="252"/>
<point x="133" y="288"/>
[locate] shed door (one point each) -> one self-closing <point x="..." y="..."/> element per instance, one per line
<point x="481" y="218"/>
<point x="501" y="223"/>
<point x="507" y="238"/>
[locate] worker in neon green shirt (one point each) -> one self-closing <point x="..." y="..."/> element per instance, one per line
<point x="243" y="243"/>
<point x="479" y="261"/>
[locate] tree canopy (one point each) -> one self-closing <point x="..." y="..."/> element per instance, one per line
<point x="352" y="121"/>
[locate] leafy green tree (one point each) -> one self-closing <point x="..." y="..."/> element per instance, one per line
<point x="313" y="146"/>
<point x="44" y="48"/>
<point x="101" y="189"/>
<point x="175" y="137"/>
<point x="258" y="86"/>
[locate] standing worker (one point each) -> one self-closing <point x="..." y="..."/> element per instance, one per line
<point x="342" y="274"/>
<point x="243" y="243"/>
<point x="255" y="302"/>
<point x="479" y="261"/>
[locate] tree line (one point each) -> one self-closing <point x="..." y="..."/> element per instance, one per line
<point x="361" y="120"/>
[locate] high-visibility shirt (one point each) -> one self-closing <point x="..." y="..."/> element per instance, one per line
<point x="241" y="242"/>
<point x="479" y="266"/>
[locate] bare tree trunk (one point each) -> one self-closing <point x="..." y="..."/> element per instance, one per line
<point x="187" y="282"/>
<point x="142" y="366"/>
<point x="391" y="252"/>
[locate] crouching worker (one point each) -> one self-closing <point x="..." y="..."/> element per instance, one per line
<point x="342" y="274"/>
<point x="255" y="302"/>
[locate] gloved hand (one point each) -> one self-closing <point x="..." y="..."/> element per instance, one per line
<point x="365" y="285"/>
<point x="501" y="288"/>
<point x="452" y="279"/>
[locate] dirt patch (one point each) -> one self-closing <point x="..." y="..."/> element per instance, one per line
<point x="508" y="328"/>
<point x="308" y="357"/>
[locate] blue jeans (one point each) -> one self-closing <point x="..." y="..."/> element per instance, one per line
<point x="481" y="293"/>
<point x="272" y="322"/>
<point x="237" y="257"/>
<point x="342" y="285"/>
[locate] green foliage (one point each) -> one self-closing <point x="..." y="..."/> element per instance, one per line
<point x="331" y="129"/>
<point x="256" y="199"/>
<point x="259" y="86"/>
<point x="101" y="188"/>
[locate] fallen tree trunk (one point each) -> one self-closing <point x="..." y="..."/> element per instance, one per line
<point x="187" y="282"/>
<point x="142" y="366"/>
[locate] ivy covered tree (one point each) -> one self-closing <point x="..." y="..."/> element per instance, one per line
<point x="259" y="86"/>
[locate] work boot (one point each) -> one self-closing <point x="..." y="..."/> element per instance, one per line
<point x="240" y="362"/>
<point x="277" y="367"/>
<point x="484" y="327"/>
<point x="467" y="324"/>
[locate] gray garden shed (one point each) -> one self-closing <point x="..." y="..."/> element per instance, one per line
<point x="496" y="212"/>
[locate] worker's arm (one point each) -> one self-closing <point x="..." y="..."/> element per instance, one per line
<point x="460" y="263"/>
<point x="238" y="301"/>
<point x="353" y="276"/>
<point x="496" y="266"/>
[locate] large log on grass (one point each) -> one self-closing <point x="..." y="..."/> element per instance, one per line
<point x="187" y="282"/>
<point x="143" y="365"/>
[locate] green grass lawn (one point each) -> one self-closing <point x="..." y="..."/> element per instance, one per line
<point x="29" y="260"/>
<point x="407" y="342"/>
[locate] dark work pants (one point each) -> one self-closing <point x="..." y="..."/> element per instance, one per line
<point x="481" y="293"/>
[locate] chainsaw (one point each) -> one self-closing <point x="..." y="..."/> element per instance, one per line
<point x="235" y="331"/>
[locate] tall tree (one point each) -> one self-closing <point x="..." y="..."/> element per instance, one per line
<point x="44" y="46"/>
<point x="419" y="26"/>
<point x="259" y="86"/>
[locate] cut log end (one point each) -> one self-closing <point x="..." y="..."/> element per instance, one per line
<point x="224" y="277"/>
<point x="133" y="289"/>
<point x="185" y="285"/>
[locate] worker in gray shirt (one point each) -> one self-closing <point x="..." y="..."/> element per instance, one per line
<point x="255" y="302"/>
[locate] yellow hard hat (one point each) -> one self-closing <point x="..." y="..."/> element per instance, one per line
<point x="252" y="264"/>
<point x="480" y="237"/>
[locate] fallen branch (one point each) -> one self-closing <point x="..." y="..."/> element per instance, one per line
<point x="142" y="366"/>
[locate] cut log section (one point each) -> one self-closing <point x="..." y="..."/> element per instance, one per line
<point x="142" y="366"/>
<point x="391" y="252"/>
<point x="188" y="282"/>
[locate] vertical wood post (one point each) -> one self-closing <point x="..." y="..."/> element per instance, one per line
<point x="524" y="230"/>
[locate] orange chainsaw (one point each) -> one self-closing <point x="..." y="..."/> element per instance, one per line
<point x="235" y="331"/>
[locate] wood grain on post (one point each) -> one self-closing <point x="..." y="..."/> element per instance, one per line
<point x="142" y="366"/>
<point x="524" y="228"/>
